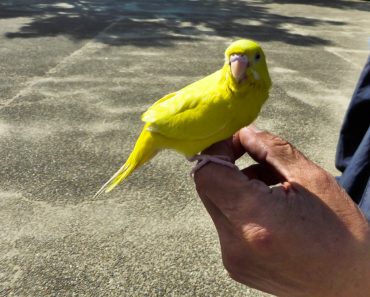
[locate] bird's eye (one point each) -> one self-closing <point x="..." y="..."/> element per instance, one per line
<point x="257" y="56"/>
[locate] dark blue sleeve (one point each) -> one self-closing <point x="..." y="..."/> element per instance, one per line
<point x="353" y="151"/>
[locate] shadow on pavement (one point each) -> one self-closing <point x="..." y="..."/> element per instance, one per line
<point x="342" y="4"/>
<point x="161" y="23"/>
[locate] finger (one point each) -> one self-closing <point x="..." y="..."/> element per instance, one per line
<point x="222" y="224"/>
<point x="277" y="153"/>
<point x="231" y="148"/>
<point x="238" y="148"/>
<point x="232" y="241"/>
<point x="229" y="189"/>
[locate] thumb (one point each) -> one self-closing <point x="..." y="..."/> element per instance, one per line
<point x="277" y="153"/>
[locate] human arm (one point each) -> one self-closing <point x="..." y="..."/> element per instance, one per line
<point x="303" y="237"/>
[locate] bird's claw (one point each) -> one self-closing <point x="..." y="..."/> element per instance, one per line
<point x="204" y="159"/>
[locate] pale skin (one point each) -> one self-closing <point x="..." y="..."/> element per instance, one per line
<point x="304" y="237"/>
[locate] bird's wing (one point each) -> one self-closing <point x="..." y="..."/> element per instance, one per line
<point x="196" y="112"/>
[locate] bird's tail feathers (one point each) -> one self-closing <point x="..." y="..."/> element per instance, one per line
<point x="144" y="150"/>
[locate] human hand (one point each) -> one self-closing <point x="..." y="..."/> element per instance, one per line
<point x="302" y="237"/>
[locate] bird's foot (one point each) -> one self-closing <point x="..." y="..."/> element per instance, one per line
<point x="204" y="159"/>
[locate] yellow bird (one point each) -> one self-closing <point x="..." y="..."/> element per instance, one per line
<point x="204" y="112"/>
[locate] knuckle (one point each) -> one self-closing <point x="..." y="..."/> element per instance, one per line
<point x="259" y="238"/>
<point x="283" y="150"/>
<point x="281" y="144"/>
<point x="257" y="244"/>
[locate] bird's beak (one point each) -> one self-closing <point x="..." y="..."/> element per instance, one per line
<point x="238" y="65"/>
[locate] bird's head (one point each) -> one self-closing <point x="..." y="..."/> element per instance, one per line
<point x="246" y="63"/>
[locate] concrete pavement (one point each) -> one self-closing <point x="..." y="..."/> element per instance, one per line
<point x="75" y="77"/>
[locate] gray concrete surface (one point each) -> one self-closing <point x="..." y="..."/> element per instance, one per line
<point x="75" y="77"/>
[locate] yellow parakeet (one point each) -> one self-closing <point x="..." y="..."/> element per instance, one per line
<point x="204" y="112"/>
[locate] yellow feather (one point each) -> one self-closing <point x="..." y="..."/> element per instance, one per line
<point x="202" y="113"/>
<point x="145" y="149"/>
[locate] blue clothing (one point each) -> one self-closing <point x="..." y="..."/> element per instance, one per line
<point x="353" y="151"/>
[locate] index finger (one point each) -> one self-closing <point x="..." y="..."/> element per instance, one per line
<point x="231" y="147"/>
<point x="229" y="189"/>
